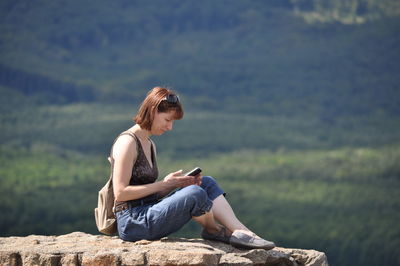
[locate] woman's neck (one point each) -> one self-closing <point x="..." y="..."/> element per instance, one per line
<point x="140" y="132"/>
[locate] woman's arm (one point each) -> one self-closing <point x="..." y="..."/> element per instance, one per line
<point x="125" y="154"/>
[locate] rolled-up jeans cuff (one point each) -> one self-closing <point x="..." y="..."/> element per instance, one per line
<point x="211" y="186"/>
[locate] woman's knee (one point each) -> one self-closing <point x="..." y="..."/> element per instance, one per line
<point x="208" y="180"/>
<point x="195" y="192"/>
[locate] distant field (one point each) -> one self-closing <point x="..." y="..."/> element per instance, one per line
<point x="310" y="199"/>
<point x="91" y="128"/>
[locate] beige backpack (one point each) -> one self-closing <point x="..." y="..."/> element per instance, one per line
<point x="104" y="214"/>
<point x="105" y="219"/>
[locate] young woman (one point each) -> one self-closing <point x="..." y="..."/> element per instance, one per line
<point x="146" y="208"/>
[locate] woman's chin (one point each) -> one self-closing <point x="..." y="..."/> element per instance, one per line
<point x="158" y="133"/>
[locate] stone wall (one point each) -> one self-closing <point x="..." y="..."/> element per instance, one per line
<point x="84" y="249"/>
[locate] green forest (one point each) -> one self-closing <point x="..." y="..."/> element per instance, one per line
<point x="292" y="105"/>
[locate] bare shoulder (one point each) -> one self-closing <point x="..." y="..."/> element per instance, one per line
<point x="124" y="146"/>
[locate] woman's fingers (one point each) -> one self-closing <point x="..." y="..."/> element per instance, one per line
<point x="177" y="173"/>
<point x="186" y="181"/>
<point x="183" y="181"/>
<point x="198" y="179"/>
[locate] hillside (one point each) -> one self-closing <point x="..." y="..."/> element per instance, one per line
<point x="227" y="55"/>
<point x="292" y="105"/>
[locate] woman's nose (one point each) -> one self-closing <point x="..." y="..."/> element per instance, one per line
<point x="170" y="125"/>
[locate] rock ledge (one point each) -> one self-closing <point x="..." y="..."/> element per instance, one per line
<point x="85" y="249"/>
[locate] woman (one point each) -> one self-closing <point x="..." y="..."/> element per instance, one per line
<point x="146" y="208"/>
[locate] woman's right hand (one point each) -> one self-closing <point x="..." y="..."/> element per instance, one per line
<point x="177" y="180"/>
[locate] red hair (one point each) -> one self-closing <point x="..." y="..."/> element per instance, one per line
<point x="156" y="101"/>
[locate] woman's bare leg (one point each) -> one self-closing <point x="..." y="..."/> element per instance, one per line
<point x="223" y="212"/>
<point x="208" y="222"/>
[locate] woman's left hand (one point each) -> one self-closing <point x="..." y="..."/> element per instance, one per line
<point x="197" y="179"/>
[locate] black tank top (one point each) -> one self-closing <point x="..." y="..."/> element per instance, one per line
<point x="142" y="172"/>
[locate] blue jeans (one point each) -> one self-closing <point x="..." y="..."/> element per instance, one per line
<point x="156" y="220"/>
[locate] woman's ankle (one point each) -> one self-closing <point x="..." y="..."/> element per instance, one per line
<point x="213" y="229"/>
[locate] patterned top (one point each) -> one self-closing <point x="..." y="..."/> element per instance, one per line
<point x="142" y="172"/>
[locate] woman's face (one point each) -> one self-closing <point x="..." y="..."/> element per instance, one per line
<point x="162" y="122"/>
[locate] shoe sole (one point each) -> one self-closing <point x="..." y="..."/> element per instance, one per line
<point x="246" y="246"/>
<point x="217" y="240"/>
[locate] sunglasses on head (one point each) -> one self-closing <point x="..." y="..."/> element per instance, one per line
<point x="171" y="98"/>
